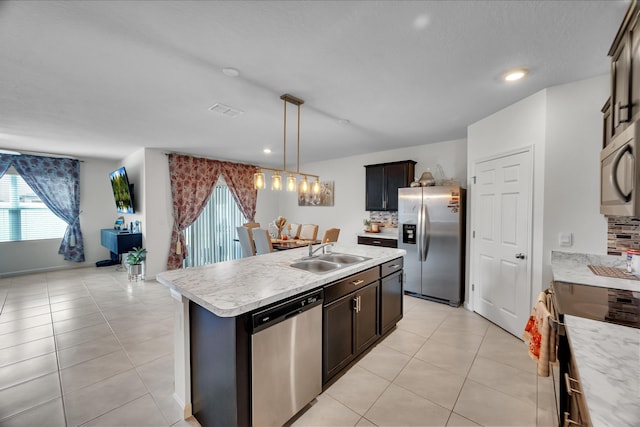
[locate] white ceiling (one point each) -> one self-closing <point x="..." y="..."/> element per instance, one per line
<point x="104" y="78"/>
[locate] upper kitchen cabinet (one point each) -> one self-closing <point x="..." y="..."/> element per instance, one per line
<point x="383" y="181"/>
<point x="607" y="123"/>
<point x="625" y="75"/>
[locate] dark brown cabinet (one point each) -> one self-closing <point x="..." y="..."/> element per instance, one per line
<point x="607" y="124"/>
<point x="391" y="295"/>
<point x="351" y="326"/>
<point x="383" y="181"/>
<point x="338" y="345"/>
<point x="366" y="314"/>
<point x="372" y="241"/>
<point x="375" y="188"/>
<point x="624" y="105"/>
<point x="357" y="311"/>
<point x="620" y="85"/>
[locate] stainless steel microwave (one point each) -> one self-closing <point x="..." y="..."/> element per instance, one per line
<point x="619" y="192"/>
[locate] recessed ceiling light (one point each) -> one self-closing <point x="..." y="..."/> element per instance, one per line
<point x="421" y="22"/>
<point x="231" y="72"/>
<point x="513" y="75"/>
<point x="267" y="151"/>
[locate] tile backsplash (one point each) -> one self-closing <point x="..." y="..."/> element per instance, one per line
<point x="383" y="217"/>
<point x="622" y="233"/>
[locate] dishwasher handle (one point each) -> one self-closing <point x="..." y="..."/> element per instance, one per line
<point x="285" y="310"/>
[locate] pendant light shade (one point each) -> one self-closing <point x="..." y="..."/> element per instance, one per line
<point x="315" y="187"/>
<point x="304" y="185"/>
<point x="258" y="180"/>
<point x="291" y="183"/>
<point x="276" y="182"/>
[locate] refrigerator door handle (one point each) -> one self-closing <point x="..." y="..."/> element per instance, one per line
<point x="426" y="223"/>
<point x="419" y="233"/>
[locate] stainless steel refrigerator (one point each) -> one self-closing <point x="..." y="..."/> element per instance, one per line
<point x="431" y="230"/>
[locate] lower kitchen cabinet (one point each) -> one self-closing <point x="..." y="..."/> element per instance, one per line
<point x="366" y="314"/>
<point x="357" y="311"/>
<point x="390" y="301"/>
<point x="350" y="327"/>
<point x="338" y="336"/>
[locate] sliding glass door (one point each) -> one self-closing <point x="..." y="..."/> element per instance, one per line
<point x="212" y="237"/>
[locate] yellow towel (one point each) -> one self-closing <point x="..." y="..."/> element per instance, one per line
<point x="540" y="333"/>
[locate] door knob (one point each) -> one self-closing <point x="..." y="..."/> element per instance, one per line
<point x="520" y="256"/>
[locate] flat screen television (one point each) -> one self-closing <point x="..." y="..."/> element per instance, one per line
<point x="122" y="191"/>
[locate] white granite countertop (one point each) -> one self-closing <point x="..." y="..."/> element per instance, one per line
<point x="607" y="355"/>
<point x="231" y="288"/>
<point x="573" y="268"/>
<point x="385" y="233"/>
<point x="608" y="361"/>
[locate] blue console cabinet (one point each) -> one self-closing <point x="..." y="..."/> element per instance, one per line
<point x="118" y="242"/>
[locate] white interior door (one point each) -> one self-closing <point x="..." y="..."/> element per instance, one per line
<point x="501" y="218"/>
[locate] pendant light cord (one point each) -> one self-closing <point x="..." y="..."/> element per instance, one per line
<point x="284" y="166"/>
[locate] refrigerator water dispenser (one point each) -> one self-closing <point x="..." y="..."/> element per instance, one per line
<point x="409" y="234"/>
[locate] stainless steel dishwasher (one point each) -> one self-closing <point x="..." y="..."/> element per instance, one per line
<point x="286" y="359"/>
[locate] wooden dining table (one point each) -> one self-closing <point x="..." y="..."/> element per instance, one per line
<point x="282" y="245"/>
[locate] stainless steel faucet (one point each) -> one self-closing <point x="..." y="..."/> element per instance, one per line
<point x="322" y="246"/>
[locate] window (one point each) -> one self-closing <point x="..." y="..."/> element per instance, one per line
<point x="23" y="216"/>
<point x="211" y="238"/>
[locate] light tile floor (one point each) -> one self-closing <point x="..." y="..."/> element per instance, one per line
<point x="87" y="347"/>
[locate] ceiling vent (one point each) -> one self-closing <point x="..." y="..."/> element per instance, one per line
<point x="225" y="110"/>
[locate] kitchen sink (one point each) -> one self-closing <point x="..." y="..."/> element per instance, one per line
<point x="316" y="265"/>
<point x="342" y="258"/>
<point x="327" y="262"/>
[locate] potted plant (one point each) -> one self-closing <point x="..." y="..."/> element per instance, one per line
<point x="367" y="224"/>
<point x="134" y="261"/>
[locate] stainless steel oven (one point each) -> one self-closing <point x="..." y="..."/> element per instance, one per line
<point x="619" y="192"/>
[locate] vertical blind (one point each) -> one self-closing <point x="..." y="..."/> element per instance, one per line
<point x="211" y="238"/>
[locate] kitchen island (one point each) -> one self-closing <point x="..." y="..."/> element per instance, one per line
<point x="213" y="312"/>
<point x="606" y="355"/>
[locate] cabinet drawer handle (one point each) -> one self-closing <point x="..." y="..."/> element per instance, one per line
<point x="568" y="422"/>
<point x="357" y="282"/>
<point x="394" y="266"/>
<point x="355" y="304"/>
<point x="568" y="380"/>
<point x="376" y="242"/>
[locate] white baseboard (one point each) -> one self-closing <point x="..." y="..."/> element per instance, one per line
<point x="186" y="407"/>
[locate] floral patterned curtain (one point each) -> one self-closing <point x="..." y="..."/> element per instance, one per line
<point x="57" y="182"/>
<point x="5" y="162"/>
<point x="192" y="181"/>
<point x="239" y="179"/>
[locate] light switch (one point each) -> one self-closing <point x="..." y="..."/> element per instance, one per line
<point x="566" y="239"/>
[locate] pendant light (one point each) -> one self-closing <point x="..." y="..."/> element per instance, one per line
<point x="276" y="178"/>
<point x="315" y="187"/>
<point x="276" y="182"/>
<point x="304" y="185"/>
<point x="258" y="180"/>
<point x="291" y="183"/>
